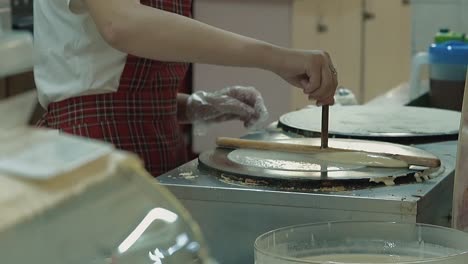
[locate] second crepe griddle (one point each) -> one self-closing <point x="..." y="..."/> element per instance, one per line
<point x="389" y="123"/>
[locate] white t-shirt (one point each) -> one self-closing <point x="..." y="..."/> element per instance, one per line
<point x="71" y="56"/>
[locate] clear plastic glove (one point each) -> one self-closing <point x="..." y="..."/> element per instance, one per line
<point x="231" y="103"/>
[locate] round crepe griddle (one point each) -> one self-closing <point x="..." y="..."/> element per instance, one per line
<point x="375" y="122"/>
<point x="220" y="160"/>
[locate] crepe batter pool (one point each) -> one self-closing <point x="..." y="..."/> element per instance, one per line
<point x="362" y="258"/>
<point x="324" y="161"/>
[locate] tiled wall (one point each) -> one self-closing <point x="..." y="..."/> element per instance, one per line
<point x="431" y="15"/>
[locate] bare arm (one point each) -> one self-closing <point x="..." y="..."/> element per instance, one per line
<point x="153" y="33"/>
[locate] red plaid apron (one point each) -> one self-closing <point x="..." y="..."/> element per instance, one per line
<point x="141" y="116"/>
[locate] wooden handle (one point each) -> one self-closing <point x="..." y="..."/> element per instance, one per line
<point x="417" y="161"/>
<point x="324" y="131"/>
<point x="235" y="143"/>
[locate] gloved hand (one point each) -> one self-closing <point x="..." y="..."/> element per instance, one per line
<point x="243" y="103"/>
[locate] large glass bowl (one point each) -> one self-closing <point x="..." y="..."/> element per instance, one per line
<point x="154" y="228"/>
<point x="362" y="242"/>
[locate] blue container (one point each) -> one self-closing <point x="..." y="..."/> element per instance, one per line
<point x="448" y="70"/>
<point x="449" y="60"/>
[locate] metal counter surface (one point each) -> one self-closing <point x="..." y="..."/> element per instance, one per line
<point x="232" y="216"/>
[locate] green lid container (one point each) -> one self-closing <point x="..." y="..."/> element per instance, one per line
<point x="446" y="34"/>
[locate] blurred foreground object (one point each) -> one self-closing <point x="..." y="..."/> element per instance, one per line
<point x="460" y="191"/>
<point x="72" y="200"/>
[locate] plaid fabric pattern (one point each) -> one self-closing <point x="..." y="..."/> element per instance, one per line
<point x="141" y="116"/>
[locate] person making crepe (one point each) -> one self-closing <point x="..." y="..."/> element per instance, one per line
<point x="111" y="70"/>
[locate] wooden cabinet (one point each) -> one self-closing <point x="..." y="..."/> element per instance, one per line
<point x="18" y="84"/>
<point x="3" y="89"/>
<point x="334" y="26"/>
<point x="369" y="41"/>
<point x="387" y="46"/>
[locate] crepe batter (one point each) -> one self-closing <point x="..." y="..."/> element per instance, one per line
<point x="324" y="161"/>
<point x="366" y="120"/>
<point x="286" y="161"/>
<point x="362" y="258"/>
<point x="362" y="158"/>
